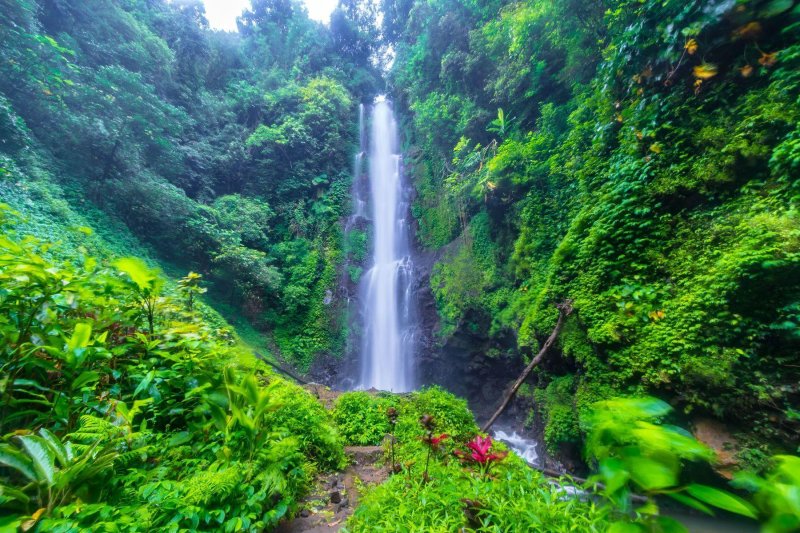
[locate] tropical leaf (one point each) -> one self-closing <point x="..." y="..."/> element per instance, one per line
<point x="81" y="336"/>
<point x="42" y="457"/>
<point x="626" y="527"/>
<point x="85" y="378"/>
<point x="690" y="502"/>
<point x="8" y="494"/>
<point x="722" y="499"/>
<point x="58" y="448"/>
<point x="670" y="525"/>
<point x="10" y="523"/>
<point x="614" y="474"/>
<point x="144" y="383"/>
<point x="651" y="474"/>
<point x="13" y="458"/>
<point x="138" y="271"/>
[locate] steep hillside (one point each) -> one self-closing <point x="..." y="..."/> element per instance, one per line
<point x="224" y="153"/>
<point x="638" y="159"/>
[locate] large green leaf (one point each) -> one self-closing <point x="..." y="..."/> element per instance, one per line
<point x="8" y="494"/>
<point x="651" y="474"/>
<point x="179" y="439"/>
<point x="722" y="499"/>
<point x="138" y="271"/>
<point x="10" y="523"/>
<point x="13" y="458"/>
<point x="691" y="502"/>
<point x="144" y="383"/>
<point x="81" y="336"/>
<point x="85" y="378"/>
<point x="670" y="525"/>
<point x="615" y="474"/>
<point x="788" y="469"/>
<point x="42" y="457"/>
<point x="671" y="439"/>
<point x="56" y="446"/>
<point x="625" y="527"/>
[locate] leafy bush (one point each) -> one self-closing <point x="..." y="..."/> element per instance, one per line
<point x="149" y="417"/>
<point x="636" y="453"/>
<point x="362" y="417"/>
<point x="516" y="499"/>
<point x="558" y="413"/>
<point x="452" y="496"/>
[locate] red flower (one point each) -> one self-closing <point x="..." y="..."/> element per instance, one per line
<point x="480" y="447"/>
<point x="434" y="442"/>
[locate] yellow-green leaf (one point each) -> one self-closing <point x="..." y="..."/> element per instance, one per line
<point x="137" y="270"/>
<point x="80" y="336"/>
<point x="722" y="499"/>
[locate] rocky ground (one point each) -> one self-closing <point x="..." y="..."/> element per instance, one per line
<point x="335" y="495"/>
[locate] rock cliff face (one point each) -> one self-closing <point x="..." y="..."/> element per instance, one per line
<point x="460" y="363"/>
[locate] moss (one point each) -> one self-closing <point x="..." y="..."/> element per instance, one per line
<point x="556" y="406"/>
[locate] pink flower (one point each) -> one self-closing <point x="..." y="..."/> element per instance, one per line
<point x="434" y="442"/>
<point x="480" y="447"/>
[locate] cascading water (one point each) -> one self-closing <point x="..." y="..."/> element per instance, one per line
<point x="388" y="312"/>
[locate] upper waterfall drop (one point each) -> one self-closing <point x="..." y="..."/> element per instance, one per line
<point x="388" y="309"/>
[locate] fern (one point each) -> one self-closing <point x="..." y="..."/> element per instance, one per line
<point x="212" y="486"/>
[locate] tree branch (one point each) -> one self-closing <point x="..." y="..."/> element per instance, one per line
<point x="564" y="310"/>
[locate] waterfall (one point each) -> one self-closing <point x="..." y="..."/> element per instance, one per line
<point x="359" y="207"/>
<point x="387" y="301"/>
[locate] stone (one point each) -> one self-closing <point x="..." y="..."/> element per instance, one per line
<point x="716" y="436"/>
<point x="343" y="505"/>
<point x="336" y="496"/>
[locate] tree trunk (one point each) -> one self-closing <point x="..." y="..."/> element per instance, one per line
<point x="564" y="311"/>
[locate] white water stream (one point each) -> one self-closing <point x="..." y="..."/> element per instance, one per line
<point x="387" y="301"/>
<point x="524" y="448"/>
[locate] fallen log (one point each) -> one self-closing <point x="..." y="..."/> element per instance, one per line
<point x="564" y="311"/>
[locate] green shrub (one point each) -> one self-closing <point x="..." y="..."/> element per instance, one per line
<point x="513" y="498"/>
<point x="361" y="417"/>
<point x="151" y="418"/>
<point x="516" y="499"/>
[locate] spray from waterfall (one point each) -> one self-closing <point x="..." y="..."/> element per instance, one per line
<point x="388" y="311"/>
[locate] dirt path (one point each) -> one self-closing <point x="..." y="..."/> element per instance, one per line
<point x="335" y="495"/>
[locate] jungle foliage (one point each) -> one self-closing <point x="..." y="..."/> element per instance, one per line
<point x="433" y="490"/>
<point x="448" y="477"/>
<point x="227" y="153"/>
<point x="123" y="407"/>
<point x="639" y="158"/>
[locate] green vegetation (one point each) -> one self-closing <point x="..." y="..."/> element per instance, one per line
<point x="456" y="495"/>
<point x="635" y="452"/>
<point x="228" y="154"/>
<point x="361" y="417"/>
<point x="123" y="409"/>
<point x="449" y="478"/>
<point x="638" y="158"/>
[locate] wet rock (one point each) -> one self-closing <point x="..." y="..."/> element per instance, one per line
<point x="336" y="497"/>
<point x="343" y="505"/>
<point x="716" y="436"/>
